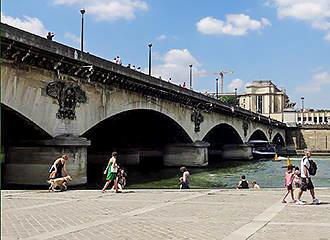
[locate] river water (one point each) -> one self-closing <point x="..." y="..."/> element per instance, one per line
<point x="268" y="174"/>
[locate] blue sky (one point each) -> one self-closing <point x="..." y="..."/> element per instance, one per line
<point x="286" y="41"/>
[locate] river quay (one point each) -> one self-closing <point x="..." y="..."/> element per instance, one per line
<point x="163" y="214"/>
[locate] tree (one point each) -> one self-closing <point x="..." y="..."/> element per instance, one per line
<point x="231" y="100"/>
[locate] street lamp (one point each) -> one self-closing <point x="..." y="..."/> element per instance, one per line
<point x="190" y="66"/>
<point x="302" y="110"/>
<point x="149" y="45"/>
<point x="236" y="96"/>
<point x="82" y="11"/>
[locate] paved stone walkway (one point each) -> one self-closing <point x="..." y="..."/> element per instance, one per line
<point x="159" y="214"/>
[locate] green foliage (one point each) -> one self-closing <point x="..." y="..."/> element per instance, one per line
<point x="232" y="100"/>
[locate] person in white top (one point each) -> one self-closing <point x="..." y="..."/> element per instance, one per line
<point x="306" y="180"/>
<point x="118" y="60"/>
<point x="185" y="179"/>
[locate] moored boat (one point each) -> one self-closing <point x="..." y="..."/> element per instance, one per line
<point x="262" y="149"/>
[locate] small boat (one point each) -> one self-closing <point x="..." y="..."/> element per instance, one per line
<point x="279" y="158"/>
<point x="262" y="149"/>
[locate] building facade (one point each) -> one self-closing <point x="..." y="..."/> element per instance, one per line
<point x="266" y="98"/>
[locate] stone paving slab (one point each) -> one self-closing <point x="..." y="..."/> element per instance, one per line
<point x="162" y="214"/>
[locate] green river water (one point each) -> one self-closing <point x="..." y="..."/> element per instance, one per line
<point x="268" y="174"/>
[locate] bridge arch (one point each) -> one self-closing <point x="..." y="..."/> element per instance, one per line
<point x="16" y="127"/>
<point x="223" y="133"/>
<point x="278" y="140"/>
<point x="143" y="124"/>
<point x="258" y="135"/>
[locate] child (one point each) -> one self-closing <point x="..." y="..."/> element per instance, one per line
<point x="288" y="180"/>
<point x="243" y="183"/>
<point x="255" y="185"/>
<point x="122" y="175"/>
<point x="296" y="178"/>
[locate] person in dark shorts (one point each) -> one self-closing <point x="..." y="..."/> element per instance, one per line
<point x="306" y="180"/>
<point x="58" y="168"/>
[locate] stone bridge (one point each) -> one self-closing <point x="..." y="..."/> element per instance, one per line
<point x="56" y="99"/>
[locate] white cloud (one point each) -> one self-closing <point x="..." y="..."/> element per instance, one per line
<point x="73" y="38"/>
<point x="161" y="37"/>
<point x="176" y="66"/>
<point x="235" y="83"/>
<point x="108" y="9"/>
<point x="319" y="82"/>
<point x="315" y="12"/>
<point x="29" y="24"/>
<point x="235" y="25"/>
<point x="327" y="37"/>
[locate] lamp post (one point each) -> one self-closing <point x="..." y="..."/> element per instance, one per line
<point x="149" y="45"/>
<point x="82" y="11"/>
<point x="190" y="76"/>
<point x="236" y="96"/>
<point x="302" y="110"/>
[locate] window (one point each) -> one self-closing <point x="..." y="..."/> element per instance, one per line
<point x="309" y="119"/>
<point x="299" y="119"/>
<point x="259" y="104"/>
<point x="320" y="119"/>
<point x="315" y="119"/>
<point x="326" y="119"/>
<point x="304" y="119"/>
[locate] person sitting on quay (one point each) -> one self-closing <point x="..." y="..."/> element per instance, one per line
<point x="243" y="183"/>
<point x="255" y="185"/>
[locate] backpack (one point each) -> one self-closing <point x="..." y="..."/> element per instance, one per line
<point x="312" y="168"/>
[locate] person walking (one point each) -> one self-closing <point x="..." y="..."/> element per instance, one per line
<point x="306" y="180"/>
<point x="58" y="169"/>
<point x="111" y="172"/>
<point x="288" y="182"/>
<point x="185" y="179"/>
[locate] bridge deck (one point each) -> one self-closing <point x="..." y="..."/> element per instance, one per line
<point x="23" y="48"/>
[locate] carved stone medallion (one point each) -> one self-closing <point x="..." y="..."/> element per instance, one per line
<point x="197" y="118"/>
<point x="68" y="94"/>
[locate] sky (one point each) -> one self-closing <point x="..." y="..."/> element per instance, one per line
<point x="285" y="41"/>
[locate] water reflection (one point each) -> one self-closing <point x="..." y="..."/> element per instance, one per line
<point x="268" y="174"/>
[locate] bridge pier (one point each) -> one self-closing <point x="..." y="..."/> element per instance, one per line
<point x="28" y="163"/>
<point x="187" y="154"/>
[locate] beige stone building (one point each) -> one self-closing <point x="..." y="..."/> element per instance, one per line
<point x="266" y="98"/>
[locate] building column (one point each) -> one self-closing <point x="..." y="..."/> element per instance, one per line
<point x="28" y="163"/>
<point x="190" y="154"/>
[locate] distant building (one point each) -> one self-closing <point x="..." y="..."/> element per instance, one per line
<point x="266" y="98"/>
<point x="312" y="117"/>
